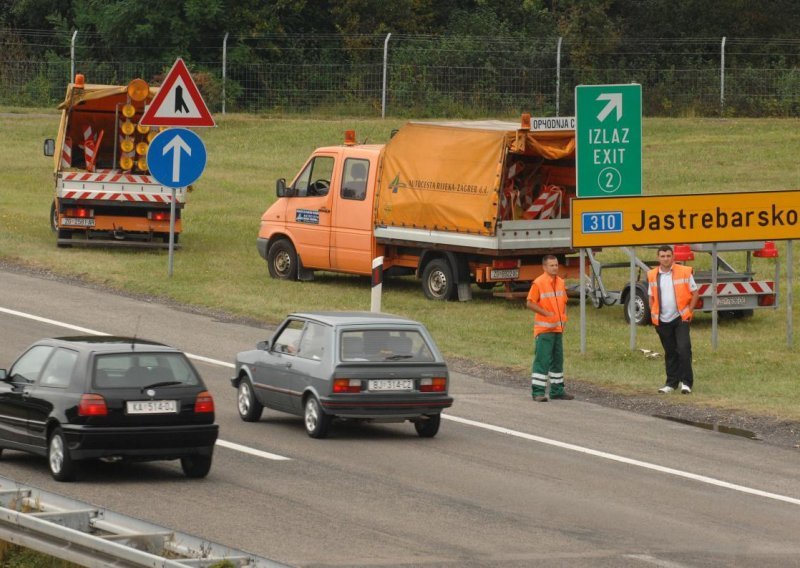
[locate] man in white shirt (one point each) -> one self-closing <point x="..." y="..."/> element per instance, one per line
<point x="673" y="297"/>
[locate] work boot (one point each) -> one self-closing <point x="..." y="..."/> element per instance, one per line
<point x="540" y="398"/>
<point x="563" y="396"/>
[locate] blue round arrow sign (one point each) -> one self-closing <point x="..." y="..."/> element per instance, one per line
<point x="176" y="157"/>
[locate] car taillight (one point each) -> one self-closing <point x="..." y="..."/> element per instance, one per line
<point x="92" y="405"/>
<point x="79" y="212"/>
<point x="204" y="403"/>
<point x="436" y="384"/>
<point x="346" y="385"/>
<point x="505" y="263"/>
<point x="766" y="300"/>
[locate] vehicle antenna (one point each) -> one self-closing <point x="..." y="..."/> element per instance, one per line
<point x="135" y="332"/>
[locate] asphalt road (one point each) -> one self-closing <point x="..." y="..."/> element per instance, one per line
<point x="507" y="482"/>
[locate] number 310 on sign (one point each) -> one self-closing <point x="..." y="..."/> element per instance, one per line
<point x="601" y="222"/>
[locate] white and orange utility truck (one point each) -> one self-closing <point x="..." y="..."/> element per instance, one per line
<point x="104" y="194"/>
<point x="454" y="203"/>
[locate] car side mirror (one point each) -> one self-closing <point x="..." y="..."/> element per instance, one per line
<point x="3" y="375"/>
<point x="263" y="345"/>
<point x="281" y="190"/>
<point x="49" y="147"/>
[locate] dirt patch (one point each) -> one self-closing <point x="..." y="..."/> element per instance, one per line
<point x="767" y="429"/>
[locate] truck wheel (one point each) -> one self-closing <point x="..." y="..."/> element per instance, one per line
<point x="282" y="260"/>
<point x="53" y="217"/>
<point x="438" y="282"/>
<point x="641" y="306"/>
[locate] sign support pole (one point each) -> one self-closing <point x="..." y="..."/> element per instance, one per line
<point x="582" y="268"/>
<point x="632" y="300"/>
<point x="172" y="230"/>
<point x="789" y="280"/>
<point x="714" y="306"/>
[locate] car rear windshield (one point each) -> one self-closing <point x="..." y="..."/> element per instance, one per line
<point x="384" y="345"/>
<point x="139" y="370"/>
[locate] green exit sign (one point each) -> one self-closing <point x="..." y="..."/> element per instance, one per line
<point x="608" y="136"/>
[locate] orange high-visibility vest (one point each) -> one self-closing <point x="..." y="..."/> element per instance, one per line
<point x="550" y="294"/>
<point x="681" y="277"/>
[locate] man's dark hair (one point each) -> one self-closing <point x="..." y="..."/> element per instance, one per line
<point x="547" y="257"/>
<point x="665" y="248"/>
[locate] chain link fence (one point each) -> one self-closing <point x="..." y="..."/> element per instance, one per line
<point x="427" y="76"/>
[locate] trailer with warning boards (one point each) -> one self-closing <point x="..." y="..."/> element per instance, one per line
<point x="104" y="194"/>
<point x="738" y="293"/>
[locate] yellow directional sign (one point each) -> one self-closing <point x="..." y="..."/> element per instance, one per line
<point x="705" y="218"/>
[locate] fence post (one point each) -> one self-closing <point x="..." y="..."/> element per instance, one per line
<point x="722" y="77"/>
<point x="224" y="67"/>
<point x="558" y="74"/>
<point x="71" y="77"/>
<point x="385" y="61"/>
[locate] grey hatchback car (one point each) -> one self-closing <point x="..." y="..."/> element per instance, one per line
<point x="348" y="366"/>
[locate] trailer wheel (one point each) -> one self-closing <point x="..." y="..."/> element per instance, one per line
<point x="53" y="217"/>
<point x="282" y="260"/>
<point x="641" y="306"/>
<point x="438" y="282"/>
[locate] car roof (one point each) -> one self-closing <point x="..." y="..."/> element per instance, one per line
<point x="110" y="343"/>
<point x="337" y="319"/>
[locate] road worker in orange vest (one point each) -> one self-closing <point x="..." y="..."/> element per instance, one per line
<point x="548" y="300"/>
<point x="673" y="296"/>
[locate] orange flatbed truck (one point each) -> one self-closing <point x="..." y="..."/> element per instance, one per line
<point x="104" y="194"/>
<point x="453" y="203"/>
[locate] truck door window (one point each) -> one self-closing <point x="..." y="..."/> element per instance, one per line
<point x="354" y="179"/>
<point x="315" y="179"/>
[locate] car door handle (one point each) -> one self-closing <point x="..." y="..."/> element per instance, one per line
<point x="324" y="210"/>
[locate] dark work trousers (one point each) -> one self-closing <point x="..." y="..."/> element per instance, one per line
<point x="677" y="352"/>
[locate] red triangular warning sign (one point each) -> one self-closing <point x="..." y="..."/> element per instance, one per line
<point x="178" y="101"/>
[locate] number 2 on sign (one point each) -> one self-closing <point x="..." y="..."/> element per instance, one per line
<point x="609" y="180"/>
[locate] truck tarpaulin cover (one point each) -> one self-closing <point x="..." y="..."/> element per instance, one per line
<point x="445" y="176"/>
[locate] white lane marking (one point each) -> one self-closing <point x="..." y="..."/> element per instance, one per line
<point x="251" y="451"/>
<point x="86" y="330"/>
<point x="621" y="459"/>
<point x="655" y="561"/>
<point x="507" y="431"/>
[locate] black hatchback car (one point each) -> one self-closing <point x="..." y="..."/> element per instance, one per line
<point x="78" y="398"/>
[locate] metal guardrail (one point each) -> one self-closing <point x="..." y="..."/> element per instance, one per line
<point x="95" y="537"/>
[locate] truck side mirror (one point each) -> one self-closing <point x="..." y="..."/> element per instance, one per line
<point x="49" y="147"/>
<point x="280" y="188"/>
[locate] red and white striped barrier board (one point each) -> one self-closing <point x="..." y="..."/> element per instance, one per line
<point x="118" y="196"/>
<point x="547" y="205"/>
<point x="737" y="288"/>
<point x="108" y="176"/>
<point x="66" y="153"/>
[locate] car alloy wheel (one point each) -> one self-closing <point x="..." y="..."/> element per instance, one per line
<point x="249" y="408"/>
<point x="317" y="422"/>
<point x="62" y="468"/>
